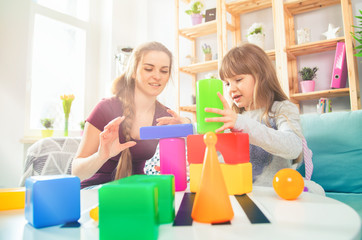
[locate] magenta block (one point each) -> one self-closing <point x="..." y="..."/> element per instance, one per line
<point x="173" y="160"/>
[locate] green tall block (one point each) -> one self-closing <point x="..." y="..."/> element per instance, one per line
<point x="128" y="211"/>
<point x="166" y="194"/>
<point x="206" y="97"/>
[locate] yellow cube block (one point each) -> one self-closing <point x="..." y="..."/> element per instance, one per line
<point x="238" y="177"/>
<point x="12" y="198"/>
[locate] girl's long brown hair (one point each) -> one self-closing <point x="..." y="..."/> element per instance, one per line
<point x="124" y="88"/>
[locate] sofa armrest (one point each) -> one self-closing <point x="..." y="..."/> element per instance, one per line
<point x="50" y="156"/>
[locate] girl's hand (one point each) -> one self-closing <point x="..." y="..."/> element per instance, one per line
<point x="109" y="145"/>
<point x="175" y="119"/>
<point x="228" y="115"/>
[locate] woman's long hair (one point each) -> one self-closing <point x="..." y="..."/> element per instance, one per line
<point x="124" y="88"/>
<point x="250" y="59"/>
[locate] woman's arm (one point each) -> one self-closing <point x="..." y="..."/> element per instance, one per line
<point x="97" y="147"/>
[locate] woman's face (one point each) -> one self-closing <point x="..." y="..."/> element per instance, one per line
<point x="153" y="73"/>
<point x="241" y="89"/>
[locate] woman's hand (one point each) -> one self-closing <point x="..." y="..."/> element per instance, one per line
<point x="228" y="115"/>
<point x="175" y="119"/>
<point x="109" y="145"/>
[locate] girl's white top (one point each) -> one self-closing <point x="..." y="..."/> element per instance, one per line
<point x="272" y="148"/>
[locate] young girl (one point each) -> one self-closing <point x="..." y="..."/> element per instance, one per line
<point x="261" y="109"/>
<point x="110" y="148"/>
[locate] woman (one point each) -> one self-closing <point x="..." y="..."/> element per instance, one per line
<point x="111" y="147"/>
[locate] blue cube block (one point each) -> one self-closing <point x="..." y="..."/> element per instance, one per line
<point x="52" y="200"/>
<point x="166" y="131"/>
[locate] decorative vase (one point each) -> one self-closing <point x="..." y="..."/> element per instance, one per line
<point x="303" y="35"/>
<point x="196" y="18"/>
<point x="47" y="133"/>
<point x="307" y="86"/>
<point x="66" y="127"/>
<point x="257" y="39"/>
<point x="208" y="56"/>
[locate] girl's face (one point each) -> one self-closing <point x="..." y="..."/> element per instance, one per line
<point x="241" y="89"/>
<point x="153" y="73"/>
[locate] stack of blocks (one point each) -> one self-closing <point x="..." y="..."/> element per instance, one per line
<point x="237" y="170"/>
<point x="52" y="200"/>
<point x="137" y="201"/>
<point x="234" y="147"/>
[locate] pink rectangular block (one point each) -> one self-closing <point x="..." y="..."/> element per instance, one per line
<point x="173" y="160"/>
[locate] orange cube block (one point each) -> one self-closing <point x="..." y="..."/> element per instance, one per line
<point x="12" y="198"/>
<point x="238" y="177"/>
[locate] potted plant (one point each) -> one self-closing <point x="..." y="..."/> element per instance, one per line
<point x="358" y="35"/>
<point x="256" y="35"/>
<point x="308" y="74"/>
<point x="207" y="51"/>
<point x="48" y="124"/>
<point x="195" y="12"/>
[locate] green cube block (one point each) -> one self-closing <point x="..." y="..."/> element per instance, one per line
<point x="166" y="194"/>
<point x="128" y="211"/>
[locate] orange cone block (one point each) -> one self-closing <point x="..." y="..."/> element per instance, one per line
<point x="212" y="203"/>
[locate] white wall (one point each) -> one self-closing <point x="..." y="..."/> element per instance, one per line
<point x="13" y="66"/>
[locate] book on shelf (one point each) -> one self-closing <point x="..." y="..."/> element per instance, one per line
<point x="339" y="74"/>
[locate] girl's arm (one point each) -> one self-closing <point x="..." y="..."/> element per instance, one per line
<point x="97" y="147"/>
<point x="285" y="141"/>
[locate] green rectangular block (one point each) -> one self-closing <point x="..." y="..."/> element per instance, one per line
<point x="166" y="193"/>
<point x="128" y="211"/>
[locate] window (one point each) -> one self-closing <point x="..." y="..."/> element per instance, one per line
<point x="58" y="60"/>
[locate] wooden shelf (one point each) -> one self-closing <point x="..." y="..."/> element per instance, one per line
<point x="199" y="30"/>
<point x="330" y="93"/>
<point x="200" y="67"/>
<point x="191" y="108"/>
<point x="244" y="6"/>
<point x="314" y="47"/>
<point x="295" y="7"/>
<point x="286" y="50"/>
<point x="202" y="29"/>
<point x="271" y="54"/>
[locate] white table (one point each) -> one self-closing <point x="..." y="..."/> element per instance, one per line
<point x="309" y="217"/>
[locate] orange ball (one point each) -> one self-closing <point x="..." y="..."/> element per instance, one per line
<point x="288" y="183"/>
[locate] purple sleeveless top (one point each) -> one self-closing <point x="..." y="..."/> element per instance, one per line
<point x="105" y="111"/>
